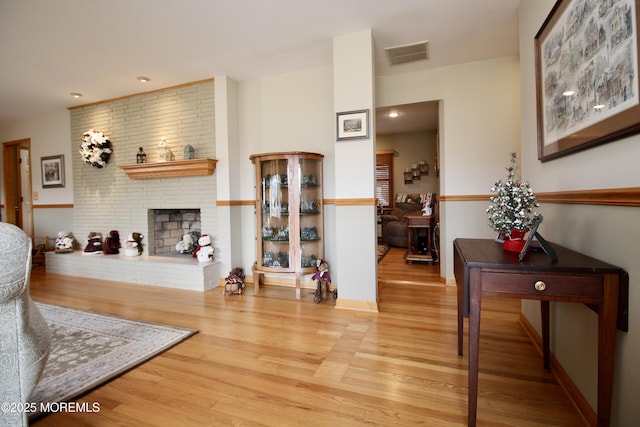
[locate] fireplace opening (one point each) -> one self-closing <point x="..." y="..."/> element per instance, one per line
<point x="168" y="226"/>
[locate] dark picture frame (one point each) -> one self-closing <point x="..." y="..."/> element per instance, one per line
<point x="587" y="91"/>
<point x="352" y="125"/>
<point x="52" y="168"/>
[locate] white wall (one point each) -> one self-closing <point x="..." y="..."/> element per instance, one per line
<point x="50" y="135"/>
<point x="605" y="232"/>
<point x="410" y="148"/>
<point x="285" y="112"/>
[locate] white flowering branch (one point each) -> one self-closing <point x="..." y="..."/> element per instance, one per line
<point x="512" y="203"/>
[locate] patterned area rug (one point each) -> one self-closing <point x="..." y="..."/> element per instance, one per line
<point x="382" y="251"/>
<point x="89" y="349"/>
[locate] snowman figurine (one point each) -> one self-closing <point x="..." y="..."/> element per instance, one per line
<point x="204" y="252"/>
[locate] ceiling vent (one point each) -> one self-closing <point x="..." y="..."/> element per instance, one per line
<point x="407" y="53"/>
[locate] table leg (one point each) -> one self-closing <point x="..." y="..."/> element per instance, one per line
<point x="460" y="291"/>
<point x="607" y="317"/>
<point x="475" y="293"/>
<point x="544" y="314"/>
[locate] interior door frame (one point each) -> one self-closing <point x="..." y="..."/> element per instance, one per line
<point x="11" y="179"/>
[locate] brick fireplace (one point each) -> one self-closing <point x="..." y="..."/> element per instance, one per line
<point x="107" y="199"/>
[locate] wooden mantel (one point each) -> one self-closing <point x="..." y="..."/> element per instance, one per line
<point x="178" y="168"/>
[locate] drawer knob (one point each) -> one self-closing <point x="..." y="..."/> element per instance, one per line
<point x="540" y="285"/>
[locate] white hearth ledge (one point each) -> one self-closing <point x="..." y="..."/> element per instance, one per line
<point x="170" y="272"/>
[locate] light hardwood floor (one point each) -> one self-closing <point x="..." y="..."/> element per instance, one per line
<point x="274" y="360"/>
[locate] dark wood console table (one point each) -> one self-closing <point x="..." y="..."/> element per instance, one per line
<point x="482" y="268"/>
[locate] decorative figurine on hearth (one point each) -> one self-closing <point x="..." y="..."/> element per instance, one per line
<point x="133" y="245"/>
<point x="234" y="283"/>
<point x="204" y="252"/>
<point x="111" y="245"/>
<point x="186" y="245"/>
<point x="322" y="277"/>
<point x="94" y="244"/>
<point x="64" y="242"/>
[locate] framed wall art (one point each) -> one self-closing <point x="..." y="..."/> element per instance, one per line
<point x="352" y="125"/>
<point x="586" y="75"/>
<point x="52" y="171"/>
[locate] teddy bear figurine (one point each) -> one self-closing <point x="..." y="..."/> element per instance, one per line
<point x="322" y="277"/>
<point x="185" y="246"/>
<point x="64" y="242"/>
<point x="234" y="283"/>
<point x="204" y="252"/>
<point x="133" y="245"/>
<point x="94" y="244"/>
<point x="111" y="245"/>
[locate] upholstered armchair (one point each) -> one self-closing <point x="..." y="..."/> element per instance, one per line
<point x="25" y="339"/>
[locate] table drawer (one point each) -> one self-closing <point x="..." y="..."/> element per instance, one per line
<point x="543" y="284"/>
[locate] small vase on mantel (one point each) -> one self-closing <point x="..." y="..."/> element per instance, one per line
<point x="515" y="241"/>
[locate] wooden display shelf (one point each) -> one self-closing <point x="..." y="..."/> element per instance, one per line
<point x="178" y="168"/>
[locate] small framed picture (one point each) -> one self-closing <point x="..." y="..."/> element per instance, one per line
<point x="52" y="171"/>
<point x="352" y="125"/>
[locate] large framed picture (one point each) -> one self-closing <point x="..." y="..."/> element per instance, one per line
<point x="52" y="171"/>
<point x="586" y="75"/>
<point x="352" y="125"/>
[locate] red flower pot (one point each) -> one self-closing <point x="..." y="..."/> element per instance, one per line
<point x="517" y="234"/>
<point x="513" y="245"/>
<point x="515" y="242"/>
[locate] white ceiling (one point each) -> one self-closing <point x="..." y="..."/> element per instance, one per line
<point x="50" y="48"/>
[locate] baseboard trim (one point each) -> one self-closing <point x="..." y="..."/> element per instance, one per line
<point x="581" y="404"/>
<point x="349" y="304"/>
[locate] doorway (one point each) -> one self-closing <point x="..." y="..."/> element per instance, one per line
<point x="16" y="156"/>
<point x="411" y="134"/>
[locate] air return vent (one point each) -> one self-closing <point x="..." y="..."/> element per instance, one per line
<point x="407" y="53"/>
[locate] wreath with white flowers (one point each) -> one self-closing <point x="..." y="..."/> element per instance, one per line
<point x="95" y="148"/>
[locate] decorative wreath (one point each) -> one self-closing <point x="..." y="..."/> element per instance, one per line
<point x="95" y="148"/>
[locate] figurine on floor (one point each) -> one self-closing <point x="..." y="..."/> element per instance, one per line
<point x="133" y="245"/>
<point x="64" y="242"/>
<point x="234" y="282"/>
<point x="94" y="244"/>
<point x="204" y="252"/>
<point x="322" y="277"/>
<point x="111" y="244"/>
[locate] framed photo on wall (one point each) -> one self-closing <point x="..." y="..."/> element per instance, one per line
<point x="587" y="90"/>
<point x="352" y="125"/>
<point x="52" y="171"/>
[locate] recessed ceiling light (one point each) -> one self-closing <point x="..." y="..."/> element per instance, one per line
<point x="143" y="79"/>
<point x="75" y="94"/>
<point x="393" y="114"/>
<point x="569" y="93"/>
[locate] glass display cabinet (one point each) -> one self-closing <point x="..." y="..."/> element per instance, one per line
<point x="289" y="214"/>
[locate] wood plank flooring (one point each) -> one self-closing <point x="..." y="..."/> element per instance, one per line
<point x="271" y="360"/>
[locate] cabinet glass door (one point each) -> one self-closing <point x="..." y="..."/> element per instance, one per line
<point x="275" y="214"/>
<point x="311" y="222"/>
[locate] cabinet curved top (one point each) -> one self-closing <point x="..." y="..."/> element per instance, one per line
<point x="269" y="156"/>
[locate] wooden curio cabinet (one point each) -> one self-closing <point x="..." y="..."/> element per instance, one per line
<point x="289" y="214"/>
